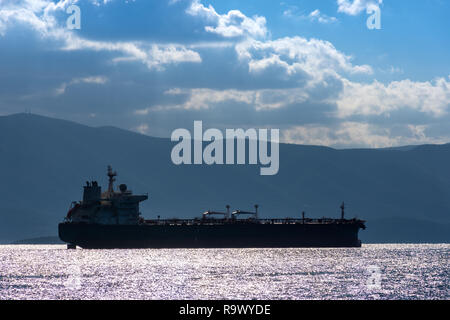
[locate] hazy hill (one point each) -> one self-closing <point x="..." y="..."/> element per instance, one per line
<point x="403" y="193"/>
<point x="40" y="240"/>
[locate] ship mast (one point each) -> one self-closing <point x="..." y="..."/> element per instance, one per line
<point x="111" y="175"/>
<point x="342" y="210"/>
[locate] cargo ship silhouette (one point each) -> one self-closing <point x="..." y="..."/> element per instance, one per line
<point x="112" y="220"/>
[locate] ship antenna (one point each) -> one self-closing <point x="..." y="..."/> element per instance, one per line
<point x="342" y="210"/>
<point x="111" y="175"/>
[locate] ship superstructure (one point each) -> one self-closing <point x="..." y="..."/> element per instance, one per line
<point x="109" y="208"/>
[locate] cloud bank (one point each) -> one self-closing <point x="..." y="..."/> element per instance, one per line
<point x="229" y="72"/>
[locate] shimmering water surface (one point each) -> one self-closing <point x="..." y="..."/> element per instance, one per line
<point x="370" y="272"/>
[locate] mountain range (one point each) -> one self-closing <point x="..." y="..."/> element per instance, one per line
<point x="402" y="193"/>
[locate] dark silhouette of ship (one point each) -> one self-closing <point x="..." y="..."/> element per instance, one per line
<point x="112" y="220"/>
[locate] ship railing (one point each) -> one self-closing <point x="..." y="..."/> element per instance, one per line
<point x="215" y="221"/>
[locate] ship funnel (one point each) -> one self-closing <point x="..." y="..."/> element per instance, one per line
<point x="228" y="211"/>
<point x="92" y="191"/>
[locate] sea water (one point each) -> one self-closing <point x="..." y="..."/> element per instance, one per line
<point x="375" y="271"/>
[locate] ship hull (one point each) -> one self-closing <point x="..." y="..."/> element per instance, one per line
<point x="95" y="236"/>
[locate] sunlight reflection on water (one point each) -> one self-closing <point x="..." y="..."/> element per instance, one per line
<point x="372" y="272"/>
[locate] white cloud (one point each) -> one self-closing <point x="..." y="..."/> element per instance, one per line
<point x="39" y="16"/>
<point x="96" y="80"/>
<point x="316" y="15"/>
<point x="35" y="13"/>
<point x="316" y="62"/>
<point x="90" y="80"/>
<point x="374" y="99"/>
<point x="232" y="24"/>
<point x="142" y="128"/>
<point x="391" y="70"/>
<point x="152" y="55"/>
<point x="379" y="99"/>
<point x="212" y="45"/>
<point x="357" y="134"/>
<point x="100" y="2"/>
<point x="355" y="7"/>
<point x="204" y="99"/>
<point x="295" y="55"/>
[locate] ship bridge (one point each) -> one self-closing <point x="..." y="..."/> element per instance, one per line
<point x="109" y="207"/>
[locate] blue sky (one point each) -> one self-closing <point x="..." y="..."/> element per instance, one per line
<point x="310" y="68"/>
